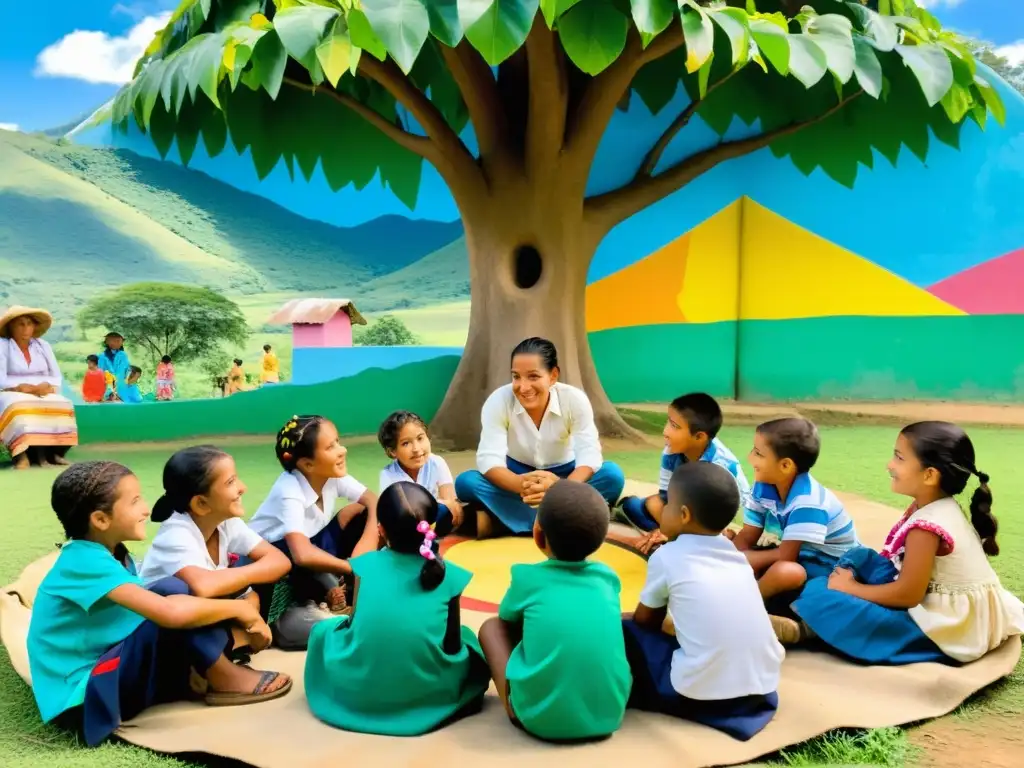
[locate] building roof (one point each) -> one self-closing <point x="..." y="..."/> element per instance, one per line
<point x="315" y="312"/>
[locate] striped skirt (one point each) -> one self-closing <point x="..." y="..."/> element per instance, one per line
<point x="29" y="421"/>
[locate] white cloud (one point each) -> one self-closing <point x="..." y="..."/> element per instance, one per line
<point x="97" y="57"/>
<point x="1013" y="53"/>
<point x="9" y="127"/>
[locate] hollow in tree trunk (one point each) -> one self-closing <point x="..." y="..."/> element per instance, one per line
<point x="525" y="280"/>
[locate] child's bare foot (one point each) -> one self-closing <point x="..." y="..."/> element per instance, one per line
<point x="234" y="684"/>
<point x="650" y="542"/>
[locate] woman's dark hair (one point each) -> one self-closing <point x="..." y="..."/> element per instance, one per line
<point x="538" y="346"/>
<point x="238" y="361"/>
<point x="82" y="489"/>
<point x="187" y="474"/>
<point x="165" y="359"/>
<point x="400" y="509"/>
<point x="391" y="427"/>
<point x="297" y="440"/>
<point x="946" y="448"/>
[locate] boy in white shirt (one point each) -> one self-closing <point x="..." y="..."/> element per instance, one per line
<point x="722" y="666"/>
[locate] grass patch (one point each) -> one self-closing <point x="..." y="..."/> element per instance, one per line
<point x="853" y="460"/>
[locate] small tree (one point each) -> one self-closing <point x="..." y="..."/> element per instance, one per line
<point x="388" y="331"/>
<point x="183" y="321"/>
<point x="368" y="88"/>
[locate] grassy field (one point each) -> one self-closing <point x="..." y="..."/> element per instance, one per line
<point x="853" y="460"/>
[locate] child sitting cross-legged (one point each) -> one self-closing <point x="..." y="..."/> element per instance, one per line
<point x="402" y="664"/>
<point x="721" y="667"/>
<point x="815" y="527"/>
<point x="691" y="434"/>
<point x="101" y="647"/>
<point x="556" y="649"/>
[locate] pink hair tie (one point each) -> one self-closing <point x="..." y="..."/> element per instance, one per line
<point x="426" y="548"/>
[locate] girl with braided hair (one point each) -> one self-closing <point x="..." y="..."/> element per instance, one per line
<point x="298" y="516"/>
<point x="930" y="594"/>
<point x="103" y="648"/>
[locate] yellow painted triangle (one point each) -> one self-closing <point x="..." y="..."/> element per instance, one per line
<point x="787" y="272"/>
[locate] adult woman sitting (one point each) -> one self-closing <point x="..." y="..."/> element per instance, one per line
<point x="37" y="423"/>
<point x="534" y="431"/>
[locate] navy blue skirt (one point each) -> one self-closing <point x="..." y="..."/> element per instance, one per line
<point x="649" y="653"/>
<point x="151" y="666"/>
<point x="862" y="630"/>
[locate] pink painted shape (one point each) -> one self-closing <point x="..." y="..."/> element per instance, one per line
<point x="336" y="332"/>
<point x="994" y="287"/>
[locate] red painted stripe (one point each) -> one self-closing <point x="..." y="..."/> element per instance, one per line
<point x="480" y="606"/>
<point x="107" y="666"/>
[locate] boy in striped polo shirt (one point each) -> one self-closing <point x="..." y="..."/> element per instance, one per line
<point x="815" y="527"/>
<point x="691" y="434"/>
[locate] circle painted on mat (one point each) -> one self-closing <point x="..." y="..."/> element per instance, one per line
<point x="490" y="561"/>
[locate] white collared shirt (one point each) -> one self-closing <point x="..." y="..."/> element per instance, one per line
<point x="727" y="647"/>
<point x="431" y="475"/>
<point x="15" y="369"/>
<point x="567" y="431"/>
<point x="179" y="544"/>
<point x="291" y="506"/>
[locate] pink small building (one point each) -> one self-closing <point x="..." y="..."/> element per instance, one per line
<point x="319" y="323"/>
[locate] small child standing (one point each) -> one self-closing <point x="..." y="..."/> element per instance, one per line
<point x="722" y="666"/>
<point x="270" y="370"/>
<point x="930" y="594"/>
<point x="691" y="435"/>
<point x="94" y="385"/>
<point x="236" y="378"/>
<point x="202" y="527"/>
<point x="101" y="647"/>
<point x="815" y="527"/>
<point x="403" y="436"/>
<point x="402" y="664"/>
<point x="298" y="516"/>
<point x="556" y="649"/>
<point x="129" y="391"/>
<point x="165" y="385"/>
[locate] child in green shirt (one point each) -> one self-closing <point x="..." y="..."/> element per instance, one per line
<point x="402" y="664"/>
<point x="101" y="647"/>
<point x="556" y="649"/>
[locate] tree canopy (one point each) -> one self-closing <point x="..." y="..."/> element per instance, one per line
<point x="368" y="86"/>
<point x="182" y="321"/>
<point x="388" y="331"/>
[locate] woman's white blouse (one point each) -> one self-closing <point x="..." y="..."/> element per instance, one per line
<point x="15" y="369"/>
<point x="567" y="431"/>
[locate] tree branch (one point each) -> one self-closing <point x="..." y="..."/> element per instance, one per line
<point x="605" y="91"/>
<point x="420" y="145"/>
<point x="548" y="97"/>
<point x="605" y="211"/>
<point x="480" y="92"/>
<point x="652" y="158"/>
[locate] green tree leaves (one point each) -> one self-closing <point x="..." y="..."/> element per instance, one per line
<point x="497" y="28"/>
<point x="593" y="34"/>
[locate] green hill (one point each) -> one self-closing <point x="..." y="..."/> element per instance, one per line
<point x="443" y="276"/>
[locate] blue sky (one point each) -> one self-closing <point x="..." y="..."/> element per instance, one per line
<point x="56" y="66"/>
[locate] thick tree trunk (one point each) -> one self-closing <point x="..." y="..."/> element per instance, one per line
<point x="529" y="254"/>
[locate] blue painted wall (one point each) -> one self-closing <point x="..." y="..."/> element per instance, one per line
<point x="313" y="366"/>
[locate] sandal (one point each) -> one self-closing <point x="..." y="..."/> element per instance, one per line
<point x="259" y="693"/>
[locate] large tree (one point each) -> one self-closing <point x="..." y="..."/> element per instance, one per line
<point x="377" y="86"/>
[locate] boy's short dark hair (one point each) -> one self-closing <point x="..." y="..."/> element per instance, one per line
<point x="574" y="518"/>
<point x="92" y="359"/>
<point x="793" y="438"/>
<point x="135" y="369"/>
<point x="266" y="347"/>
<point x="708" y="491"/>
<point x="701" y="411"/>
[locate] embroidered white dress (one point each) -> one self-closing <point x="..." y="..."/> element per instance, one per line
<point x="27" y="420"/>
<point x="966" y="611"/>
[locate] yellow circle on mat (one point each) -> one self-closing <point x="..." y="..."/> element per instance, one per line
<point x="491" y="560"/>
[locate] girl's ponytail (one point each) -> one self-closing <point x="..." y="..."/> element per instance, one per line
<point x="163" y="509"/>
<point x="404" y="510"/>
<point x="432" y="572"/>
<point x="982" y="519"/>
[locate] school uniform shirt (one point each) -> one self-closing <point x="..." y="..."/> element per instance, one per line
<point x="811" y="514"/>
<point x="568" y="677"/>
<point x="74" y="623"/>
<point x="291" y="506"/>
<point x="727" y="647"/>
<point x="567" y="431"/>
<point x="431" y="475"/>
<point x="715" y="453"/>
<point x="180" y="544"/>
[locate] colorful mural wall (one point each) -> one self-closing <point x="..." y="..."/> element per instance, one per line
<point x="760" y="282"/>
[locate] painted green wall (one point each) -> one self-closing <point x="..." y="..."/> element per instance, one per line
<point x="357" y="405"/>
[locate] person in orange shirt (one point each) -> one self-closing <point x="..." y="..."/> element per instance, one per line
<point x="95" y="382"/>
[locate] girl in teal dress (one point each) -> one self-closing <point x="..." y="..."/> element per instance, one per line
<point x="401" y="664"/>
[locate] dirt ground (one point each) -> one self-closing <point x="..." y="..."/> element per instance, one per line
<point x="990" y="742"/>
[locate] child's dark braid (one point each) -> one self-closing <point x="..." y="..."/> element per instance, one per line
<point x="82" y="489"/>
<point x="297" y="440"/>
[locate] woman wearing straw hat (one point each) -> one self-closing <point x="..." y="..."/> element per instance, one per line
<point x="36" y="421"/>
